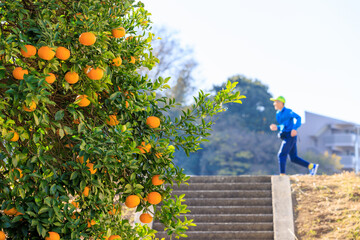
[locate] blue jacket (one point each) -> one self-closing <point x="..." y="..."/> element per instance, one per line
<point x="285" y="118"/>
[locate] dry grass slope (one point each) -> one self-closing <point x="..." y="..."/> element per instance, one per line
<point x="327" y="207"/>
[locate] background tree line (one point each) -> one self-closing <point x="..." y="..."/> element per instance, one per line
<point x="241" y="141"/>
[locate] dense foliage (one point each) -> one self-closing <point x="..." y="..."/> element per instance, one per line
<point x="82" y="132"/>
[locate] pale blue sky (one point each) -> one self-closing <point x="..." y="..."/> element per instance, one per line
<point x="308" y="50"/>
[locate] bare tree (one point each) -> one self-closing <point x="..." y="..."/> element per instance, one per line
<point x="176" y="62"/>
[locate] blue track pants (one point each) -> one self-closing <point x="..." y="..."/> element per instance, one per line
<point x="288" y="147"/>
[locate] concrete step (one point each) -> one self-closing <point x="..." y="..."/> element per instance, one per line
<point x="230" y="209"/>
<point x="224" y="186"/>
<point x="224" y="193"/>
<point x="229" y="179"/>
<point x="223" y="218"/>
<point x="264" y="235"/>
<point x="260" y="226"/>
<point x="228" y="202"/>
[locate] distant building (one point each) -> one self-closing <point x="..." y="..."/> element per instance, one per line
<point x="320" y="133"/>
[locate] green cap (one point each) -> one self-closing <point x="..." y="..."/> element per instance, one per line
<point x="279" y="98"/>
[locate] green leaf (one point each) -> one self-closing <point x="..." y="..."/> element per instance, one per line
<point x="73" y="175"/>
<point x="43" y="210"/>
<point x="59" y="115"/>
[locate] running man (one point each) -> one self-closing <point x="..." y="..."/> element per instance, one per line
<point x="288" y="134"/>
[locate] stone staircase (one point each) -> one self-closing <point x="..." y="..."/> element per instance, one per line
<point x="227" y="207"/>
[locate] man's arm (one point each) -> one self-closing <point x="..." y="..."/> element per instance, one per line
<point x="298" y="120"/>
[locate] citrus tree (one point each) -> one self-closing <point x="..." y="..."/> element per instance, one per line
<point x="82" y="132"/>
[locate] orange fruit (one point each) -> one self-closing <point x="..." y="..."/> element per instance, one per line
<point x="75" y="204"/>
<point x="19" y="73"/>
<point x="156" y="181"/>
<point x="71" y="77"/>
<point x="87" y="38"/>
<point x="146" y="218"/>
<point x="15" y="138"/>
<point x="114" y="211"/>
<point x="46" y="53"/>
<point x="21" y="175"/>
<point x="91" y="168"/>
<point x="112" y="121"/>
<point x="95" y="73"/>
<point x="30" y="51"/>
<point x="91" y="223"/>
<point x="153" y="122"/>
<point x="113" y="237"/>
<point x="31" y="108"/>
<point x="10" y="212"/>
<point x="80" y="159"/>
<point x="144" y="148"/>
<point x="51" y="78"/>
<point x="158" y="155"/>
<point x="126" y="104"/>
<point x="118" y="32"/>
<point x="132" y="60"/>
<point x="87" y="69"/>
<point x="86" y="191"/>
<point x="69" y="145"/>
<point x="132" y="201"/>
<point x="62" y="53"/>
<point x="154" y="198"/>
<point x="117" y="61"/>
<point x="2" y="235"/>
<point x="53" y="236"/>
<point x="84" y="102"/>
<point x="76" y="121"/>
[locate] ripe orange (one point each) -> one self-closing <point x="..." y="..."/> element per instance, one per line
<point x="71" y="77"/>
<point x="112" y="121"/>
<point x="15" y="138"/>
<point x="87" y="69"/>
<point x="30" y="51"/>
<point x="86" y="191"/>
<point x="53" y="236"/>
<point x="87" y="38"/>
<point x="46" y="53"/>
<point x="10" y="212"/>
<point x="118" y="32"/>
<point x="19" y="73"/>
<point x="113" y="237"/>
<point x="84" y="102"/>
<point x="132" y="201"/>
<point x="117" y="61"/>
<point x="95" y="73"/>
<point x="114" y="211"/>
<point x="144" y="148"/>
<point x="156" y="181"/>
<point x="75" y="204"/>
<point x="51" y="78"/>
<point x="154" y="198"/>
<point x="158" y="155"/>
<point x="2" y="235"/>
<point x="126" y="104"/>
<point x="31" y="108"/>
<point x="80" y="159"/>
<point x="91" y="223"/>
<point x="76" y="121"/>
<point x="91" y="168"/>
<point x="62" y="53"/>
<point x="132" y="60"/>
<point x="21" y="175"/>
<point x="146" y="218"/>
<point x="153" y="122"/>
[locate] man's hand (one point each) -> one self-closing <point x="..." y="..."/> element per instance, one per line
<point x="273" y="127"/>
<point x="293" y="133"/>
